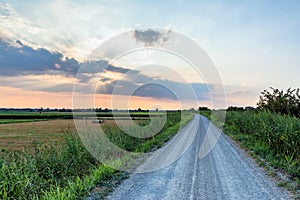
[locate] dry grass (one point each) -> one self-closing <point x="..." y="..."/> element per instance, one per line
<point x="17" y="135"/>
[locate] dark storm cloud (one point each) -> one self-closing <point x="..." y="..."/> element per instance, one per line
<point x="20" y="59"/>
<point x="26" y="60"/>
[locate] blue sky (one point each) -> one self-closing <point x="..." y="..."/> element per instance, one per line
<point x="254" y="44"/>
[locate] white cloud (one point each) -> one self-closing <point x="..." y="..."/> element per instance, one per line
<point x="15" y="27"/>
<point x="52" y="30"/>
<point x="72" y="28"/>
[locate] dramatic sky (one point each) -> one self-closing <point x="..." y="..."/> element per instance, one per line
<point x="254" y="44"/>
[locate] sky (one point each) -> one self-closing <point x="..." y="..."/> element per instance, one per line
<point x="253" y="45"/>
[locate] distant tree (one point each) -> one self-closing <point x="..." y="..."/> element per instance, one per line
<point x="249" y="108"/>
<point x="98" y="109"/>
<point x="281" y="102"/>
<point x="235" y="108"/>
<point x="203" y="109"/>
<point x="41" y="110"/>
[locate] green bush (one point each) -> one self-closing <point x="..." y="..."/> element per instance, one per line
<point x="278" y="101"/>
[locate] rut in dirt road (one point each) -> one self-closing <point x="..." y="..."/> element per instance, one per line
<point x="225" y="173"/>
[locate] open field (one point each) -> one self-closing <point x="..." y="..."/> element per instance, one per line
<point x="69" y="115"/>
<point x="66" y="171"/>
<point x="19" y="129"/>
<point x="16" y="135"/>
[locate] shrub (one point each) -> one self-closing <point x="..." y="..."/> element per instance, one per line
<point x="278" y="101"/>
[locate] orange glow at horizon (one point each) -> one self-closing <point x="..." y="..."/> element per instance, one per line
<point x="20" y="98"/>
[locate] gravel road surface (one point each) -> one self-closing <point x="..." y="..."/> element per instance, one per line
<point x="225" y="173"/>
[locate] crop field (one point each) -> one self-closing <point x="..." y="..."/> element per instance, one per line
<point x="65" y="169"/>
<point x="16" y="136"/>
<point x="69" y="115"/>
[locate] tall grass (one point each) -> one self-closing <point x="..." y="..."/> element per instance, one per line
<point x="273" y="136"/>
<point x="30" y="174"/>
<point x="130" y="143"/>
<point x="69" y="171"/>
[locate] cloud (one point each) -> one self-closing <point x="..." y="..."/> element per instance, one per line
<point x="137" y="84"/>
<point x="43" y="70"/>
<point x="159" y="90"/>
<point x="14" y="26"/>
<point x="20" y="59"/>
<point x="150" y="37"/>
<point x="71" y="27"/>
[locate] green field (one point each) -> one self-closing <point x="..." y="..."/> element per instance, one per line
<point x="7" y="115"/>
<point x="9" y="121"/>
<point x="69" y="171"/>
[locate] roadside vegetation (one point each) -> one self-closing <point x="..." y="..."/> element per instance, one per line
<point x="205" y="112"/>
<point x="271" y="132"/>
<point x="272" y="136"/>
<point x="69" y="171"/>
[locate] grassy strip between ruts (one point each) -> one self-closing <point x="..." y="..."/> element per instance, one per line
<point x="69" y="172"/>
<point x="272" y="139"/>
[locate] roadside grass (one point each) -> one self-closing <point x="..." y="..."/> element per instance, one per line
<point x="69" y="171"/>
<point x="272" y="139"/>
<point x="206" y="113"/>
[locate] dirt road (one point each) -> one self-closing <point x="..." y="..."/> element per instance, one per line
<point x="225" y="173"/>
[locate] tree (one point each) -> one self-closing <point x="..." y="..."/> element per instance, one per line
<point x="41" y="110"/>
<point x="203" y="109"/>
<point x="235" y="108"/>
<point x="281" y="102"/>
